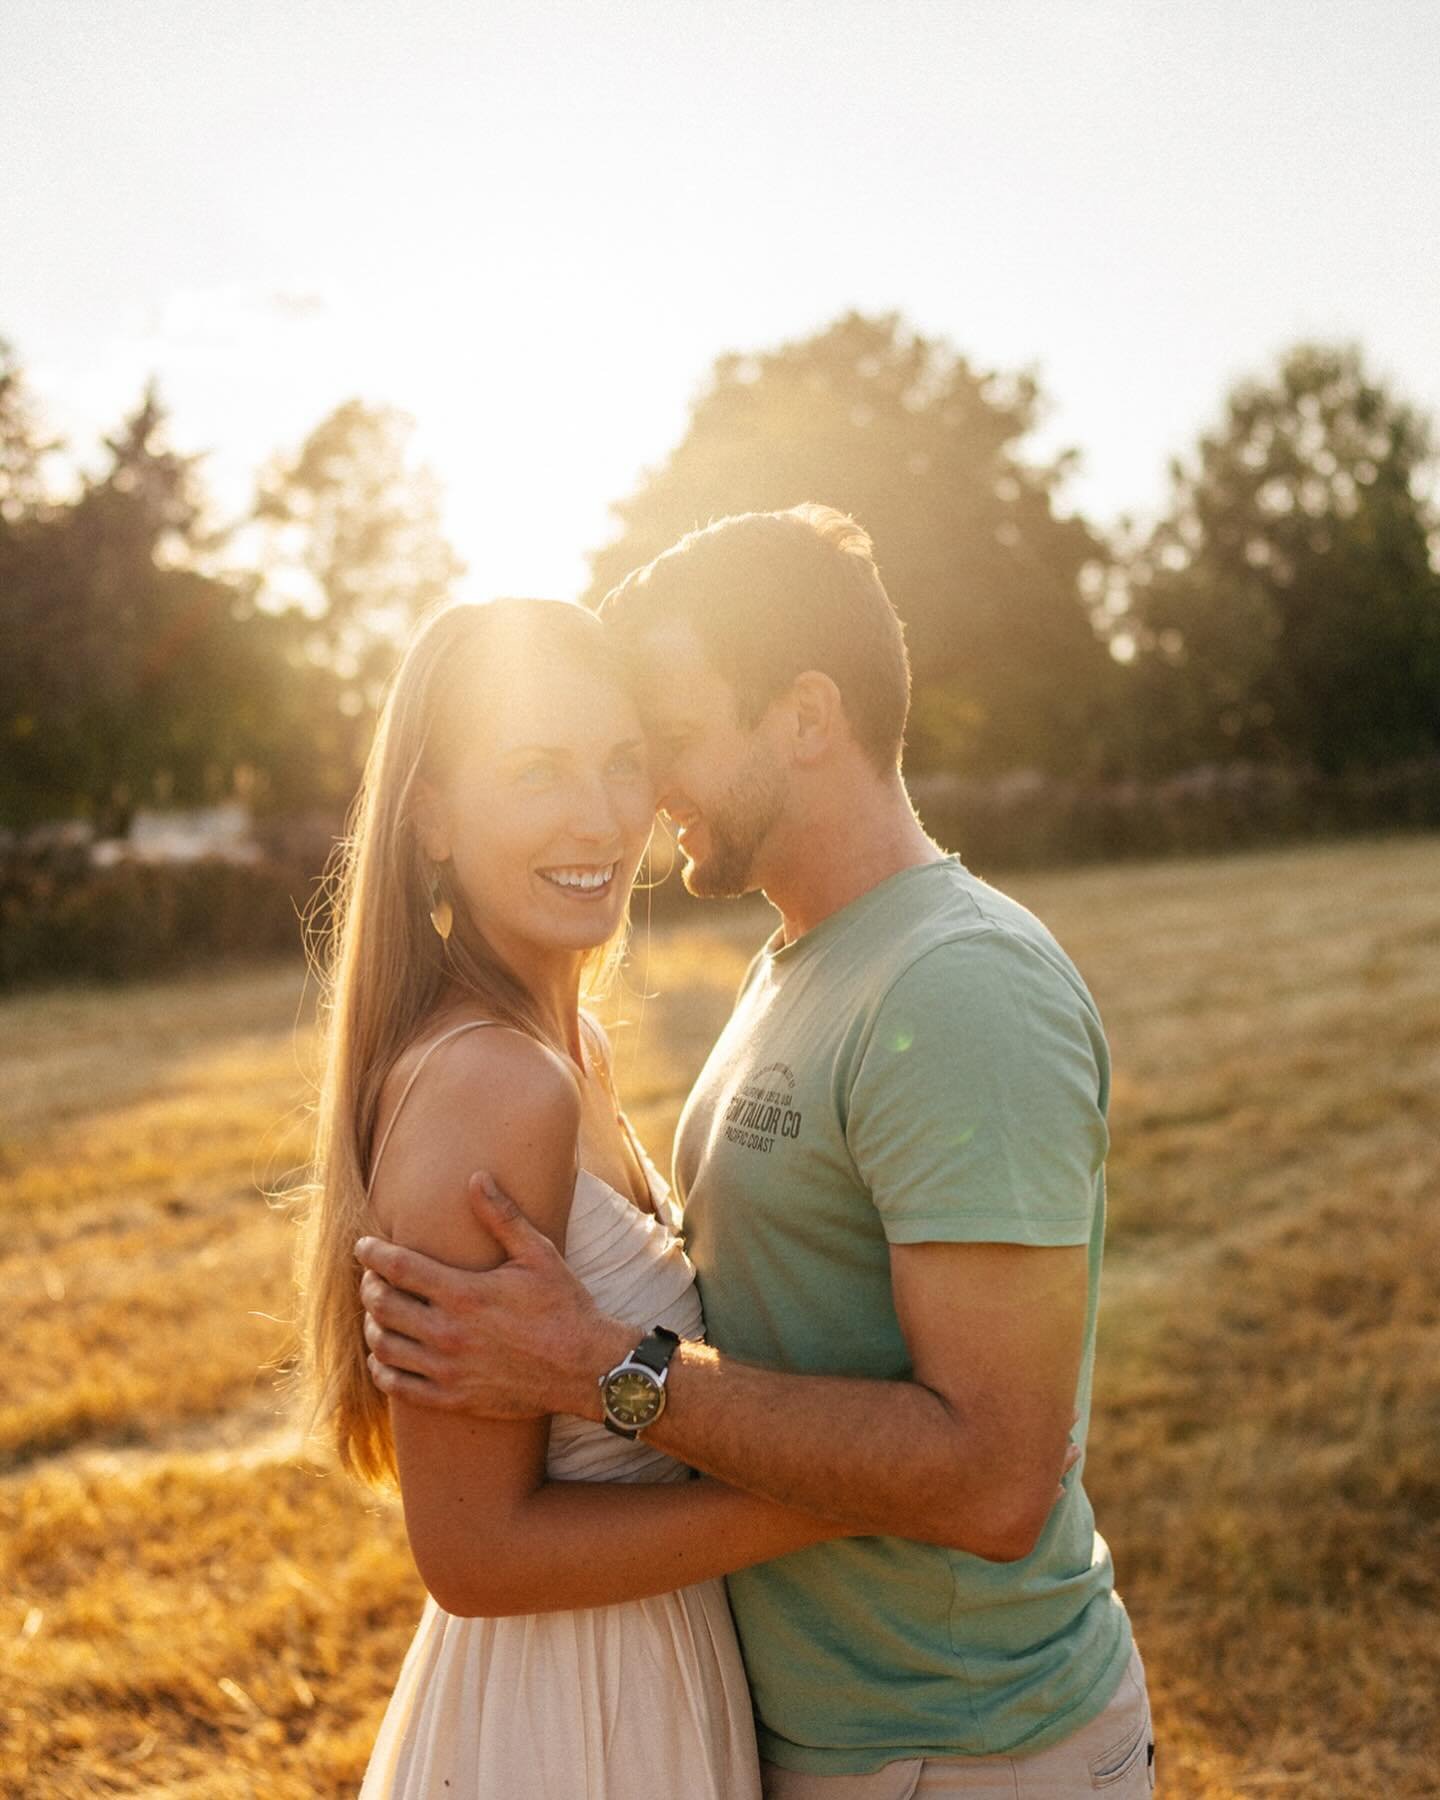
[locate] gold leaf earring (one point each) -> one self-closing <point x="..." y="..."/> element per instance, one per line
<point x="442" y="914"/>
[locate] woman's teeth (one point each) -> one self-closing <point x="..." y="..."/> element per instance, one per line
<point x="584" y="881"/>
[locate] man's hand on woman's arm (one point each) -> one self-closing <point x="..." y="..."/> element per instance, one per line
<point x="966" y="1454"/>
<point x="526" y="1341"/>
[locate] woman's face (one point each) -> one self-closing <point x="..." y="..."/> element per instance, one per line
<point x="546" y="815"/>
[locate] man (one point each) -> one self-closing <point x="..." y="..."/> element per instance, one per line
<point x="892" y="1173"/>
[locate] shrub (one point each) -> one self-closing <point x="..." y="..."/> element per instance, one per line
<point x="1030" y="821"/>
<point x="60" y="916"/>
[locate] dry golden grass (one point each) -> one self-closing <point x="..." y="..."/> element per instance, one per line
<point x="187" y="1611"/>
<point x="138" y="1255"/>
<point x="1266" y="1460"/>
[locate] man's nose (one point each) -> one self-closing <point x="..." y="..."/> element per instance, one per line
<point x="669" y="800"/>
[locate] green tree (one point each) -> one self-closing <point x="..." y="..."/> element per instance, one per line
<point x="351" y="553"/>
<point x="926" y="452"/>
<point x="128" y="675"/>
<point x="350" y="532"/>
<point x="1288" y="606"/>
<point x="23" y="449"/>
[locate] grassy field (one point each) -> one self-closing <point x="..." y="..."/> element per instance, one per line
<point x="186" y="1609"/>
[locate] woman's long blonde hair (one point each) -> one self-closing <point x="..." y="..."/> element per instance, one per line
<point x="383" y="968"/>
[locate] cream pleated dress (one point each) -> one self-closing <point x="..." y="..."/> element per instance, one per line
<point x="644" y="1700"/>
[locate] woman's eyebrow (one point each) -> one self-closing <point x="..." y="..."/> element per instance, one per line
<point x="635" y="742"/>
<point x="509" y="750"/>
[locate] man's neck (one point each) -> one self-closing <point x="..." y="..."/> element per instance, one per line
<point x="847" y="844"/>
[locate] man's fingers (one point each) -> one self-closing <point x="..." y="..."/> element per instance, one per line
<point x="399" y="1311"/>
<point x="495" y="1210"/>
<point x="400" y="1385"/>
<point x="1072" y="1456"/>
<point x="398" y="1351"/>
<point x="407" y="1269"/>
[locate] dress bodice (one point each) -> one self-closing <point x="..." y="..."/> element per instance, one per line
<point x="635" y="1267"/>
<point x="540" y="1706"/>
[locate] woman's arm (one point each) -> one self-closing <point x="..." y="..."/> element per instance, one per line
<point x="489" y="1533"/>
<point x="572" y="1544"/>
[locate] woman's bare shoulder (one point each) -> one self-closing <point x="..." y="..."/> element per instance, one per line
<point x="512" y="1064"/>
<point x="494" y="1099"/>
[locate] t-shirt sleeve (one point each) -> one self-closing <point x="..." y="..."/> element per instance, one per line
<point x="976" y="1110"/>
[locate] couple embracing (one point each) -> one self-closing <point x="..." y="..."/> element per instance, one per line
<point x="888" y="1201"/>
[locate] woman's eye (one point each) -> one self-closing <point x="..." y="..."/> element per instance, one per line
<point x="627" y="763"/>
<point x="535" y="774"/>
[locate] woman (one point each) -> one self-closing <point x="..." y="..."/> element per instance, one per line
<point x="576" y="1641"/>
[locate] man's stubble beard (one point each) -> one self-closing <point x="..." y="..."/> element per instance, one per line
<point x="737" y="828"/>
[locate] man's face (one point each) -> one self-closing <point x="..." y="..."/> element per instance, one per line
<point x="724" y="787"/>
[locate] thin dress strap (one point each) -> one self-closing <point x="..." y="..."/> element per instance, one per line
<point x="637" y="1150"/>
<point x="430" y="1049"/>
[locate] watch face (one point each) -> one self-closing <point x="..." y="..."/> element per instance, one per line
<point x="632" y="1398"/>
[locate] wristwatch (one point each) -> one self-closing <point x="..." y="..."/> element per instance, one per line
<point x="632" y="1394"/>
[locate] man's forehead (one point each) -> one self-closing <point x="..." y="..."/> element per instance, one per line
<point x="675" y="675"/>
<point x="671" y="644"/>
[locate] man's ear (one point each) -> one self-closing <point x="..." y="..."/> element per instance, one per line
<point x="818" y="714"/>
<point x="432" y="821"/>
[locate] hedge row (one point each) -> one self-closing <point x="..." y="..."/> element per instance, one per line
<point x="1027" y="822"/>
<point x="60" y="916"/>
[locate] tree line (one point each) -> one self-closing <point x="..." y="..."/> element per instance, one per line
<point x="1284" y="610"/>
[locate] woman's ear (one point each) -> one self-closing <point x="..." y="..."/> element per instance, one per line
<point x="817" y="712"/>
<point x="432" y="820"/>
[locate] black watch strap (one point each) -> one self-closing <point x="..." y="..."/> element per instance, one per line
<point x="656" y="1348"/>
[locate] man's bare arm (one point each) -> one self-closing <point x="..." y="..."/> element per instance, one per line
<point x="966" y="1454"/>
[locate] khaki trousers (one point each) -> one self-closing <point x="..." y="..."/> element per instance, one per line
<point x="1113" y="1755"/>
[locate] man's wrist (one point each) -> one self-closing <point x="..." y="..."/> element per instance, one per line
<point x="608" y="1344"/>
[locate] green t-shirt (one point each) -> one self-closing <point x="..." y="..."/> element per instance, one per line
<point x="925" y="1065"/>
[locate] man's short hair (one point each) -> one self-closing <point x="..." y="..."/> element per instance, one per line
<point x="773" y="594"/>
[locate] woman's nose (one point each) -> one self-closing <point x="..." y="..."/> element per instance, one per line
<point x="592" y="811"/>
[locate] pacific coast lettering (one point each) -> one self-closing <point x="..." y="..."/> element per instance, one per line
<point x="759" y="1115"/>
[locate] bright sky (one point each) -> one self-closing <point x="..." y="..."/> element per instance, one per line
<point x="534" y="225"/>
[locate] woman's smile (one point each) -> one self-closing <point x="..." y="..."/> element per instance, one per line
<point x="581" y="881"/>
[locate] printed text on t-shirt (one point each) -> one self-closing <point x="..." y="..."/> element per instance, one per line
<point x="763" y="1109"/>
